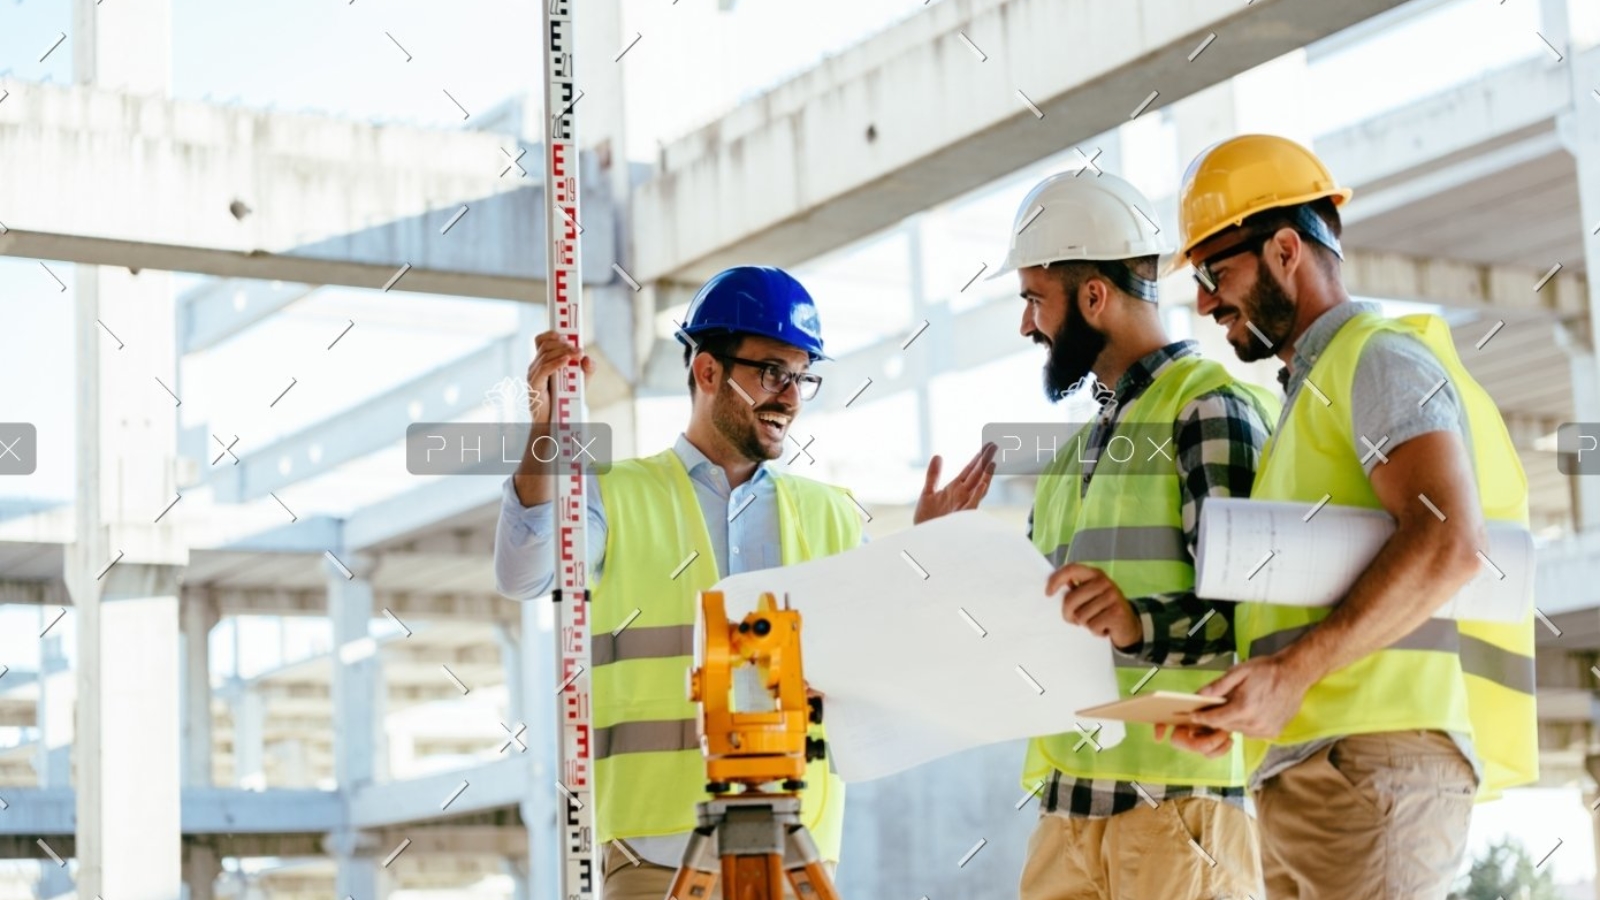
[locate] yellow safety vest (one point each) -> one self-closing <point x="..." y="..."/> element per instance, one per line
<point x="648" y="766"/>
<point x="1465" y="676"/>
<point x="1130" y="525"/>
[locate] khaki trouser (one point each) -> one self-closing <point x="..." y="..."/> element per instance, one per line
<point x="1145" y="854"/>
<point x="622" y="880"/>
<point x="1375" y="816"/>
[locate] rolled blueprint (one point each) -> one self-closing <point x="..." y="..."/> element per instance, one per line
<point x="1301" y="554"/>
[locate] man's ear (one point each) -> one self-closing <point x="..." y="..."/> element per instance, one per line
<point x="1094" y="298"/>
<point x="706" y="370"/>
<point x="1286" y="251"/>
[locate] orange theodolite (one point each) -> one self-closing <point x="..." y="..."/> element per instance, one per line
<point x="757" y="835"/>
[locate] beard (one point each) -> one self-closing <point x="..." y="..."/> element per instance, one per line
<point x="1073" y="351"/>
<point x="735" y="419"/>
<point x="1269" y="308"/>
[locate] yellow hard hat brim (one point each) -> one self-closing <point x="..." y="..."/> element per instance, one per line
<point x="1180" y="260"/>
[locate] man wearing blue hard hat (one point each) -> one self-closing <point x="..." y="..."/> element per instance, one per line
<point x="750" y="338"/>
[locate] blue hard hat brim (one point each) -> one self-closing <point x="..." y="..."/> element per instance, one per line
<point x="684" y="335"/>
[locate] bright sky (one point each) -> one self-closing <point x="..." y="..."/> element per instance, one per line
<point x="691" y="63"/>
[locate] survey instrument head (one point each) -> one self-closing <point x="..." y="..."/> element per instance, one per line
<point x="761" y="653"/>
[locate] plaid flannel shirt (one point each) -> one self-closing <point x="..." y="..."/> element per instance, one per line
<point x="1218" y="441"/>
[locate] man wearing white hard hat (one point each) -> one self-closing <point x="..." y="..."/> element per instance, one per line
<point x="1141" y="819"/>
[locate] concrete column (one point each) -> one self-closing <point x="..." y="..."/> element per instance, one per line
<point x="357" y="681"/>
<point x="57" y="694"/>
<point x="382" y="753"/>
<point x="1594" y="816"/>
<point x="249" y="740"/>
<point x="1580" y="130"/>
<point x="297" y="765"/>
<point x="602" y="128"/>
<point x="122" y="570"/>
<point x="517" y="868"/>
<point x="509" y="636"/>
<point x="201" y="866"/>
<point x="540" y="713"/>
<point x="360" y="875"/>
<point x="1585" y="408"/>
<point x="355" y="673"/>
<point x="1203" y="118"/>
<point x="400" y="750"/>
<point x="53" y="761"/>
<point x="198" y="615"/>
<point x="921" y="310"/>
<point x="1555" y="23"/>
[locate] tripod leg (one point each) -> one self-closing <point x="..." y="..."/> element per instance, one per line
<point x="697" y="875"/>
<point x="807" y="874"/>
<point x="752" y="877"/>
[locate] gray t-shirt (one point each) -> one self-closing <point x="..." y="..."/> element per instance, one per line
<point x="1400" y="391"/>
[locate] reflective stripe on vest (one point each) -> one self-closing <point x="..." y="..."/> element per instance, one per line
<point x="1478" y="657"/>
<point x="1132" y="543"/>
<point x="1132" y="528"/>
<point x="646" y="737"/>
<point x="1465" y="676"/>
<point x="642" y="642"/>
<point x="649" y="770"/>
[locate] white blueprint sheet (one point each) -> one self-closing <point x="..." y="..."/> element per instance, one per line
<point x="899" y="655"/>
<point x="1314" y="563"/>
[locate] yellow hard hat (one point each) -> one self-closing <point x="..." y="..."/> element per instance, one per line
<point x="1239" y="177"/>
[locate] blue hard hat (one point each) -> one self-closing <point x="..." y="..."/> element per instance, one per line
<point x="759" y="300"/>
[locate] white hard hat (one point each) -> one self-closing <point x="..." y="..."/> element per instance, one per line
<point x="1082" y="216"/>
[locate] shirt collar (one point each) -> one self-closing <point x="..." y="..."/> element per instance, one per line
<point x="1308" y="348"/>
<point x="696" y="462"/>
<point x="1151" y="365"/>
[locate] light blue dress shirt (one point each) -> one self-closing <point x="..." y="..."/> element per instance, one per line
<point x="742" y="522"/>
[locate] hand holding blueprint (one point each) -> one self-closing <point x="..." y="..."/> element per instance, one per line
<point x="934" y="640"/>
<point x="1271" y="552"/>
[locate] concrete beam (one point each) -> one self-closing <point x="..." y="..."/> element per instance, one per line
<point x="401" y="653"/>
<point x="1499" y="108"/>
<point x="1392" y="276"/>
<point x="1444" y="178"/>
<point x="136" y="256"/>
<point x="1359" y="34"/>
<point x="911" y="118"/>
<point x="441" y="395"/>
<point x="48" y="812"/>
<point x="300" y="198"/>
<point x="496" y="785"/>
<point x="309" y="534"/>
<point x="419" y="509"/>
<point x="397" y="695"/>
<point x="475" y="840"/>
<point x="214" y="312"/>
<point x="410" y="606"/>
<point x="1569" y="574"/>
<point x="1568" y="705"/>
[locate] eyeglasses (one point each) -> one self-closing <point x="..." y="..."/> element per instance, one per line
<point x="1208" y="277"/>
<point x="775" y="378"/>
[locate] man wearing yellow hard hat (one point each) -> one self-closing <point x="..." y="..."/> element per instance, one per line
<point x="1369" y="726"/>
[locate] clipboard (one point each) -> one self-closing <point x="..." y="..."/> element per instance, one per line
<point x="1154" y="708"/>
